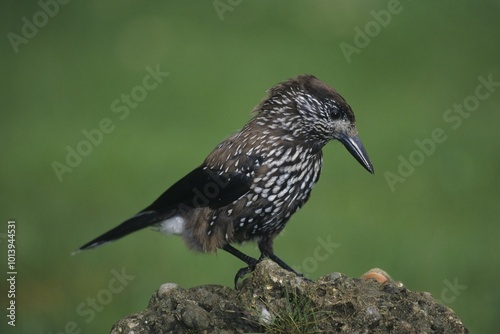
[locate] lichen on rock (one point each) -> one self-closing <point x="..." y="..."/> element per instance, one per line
<point x="273" y="300"/>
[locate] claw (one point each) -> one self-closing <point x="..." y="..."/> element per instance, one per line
<point x="244" y="271"/>
<point x="252" y="263"/>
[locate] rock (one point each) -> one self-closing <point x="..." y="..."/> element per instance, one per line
<point x="273" y="300"/>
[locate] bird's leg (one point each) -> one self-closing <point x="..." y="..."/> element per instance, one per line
<point x="285" y="266"/>
<point x="266" y="249"/>
<point x="243" y="257"/>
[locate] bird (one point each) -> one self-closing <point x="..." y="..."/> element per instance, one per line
<point x="250" y="185"/>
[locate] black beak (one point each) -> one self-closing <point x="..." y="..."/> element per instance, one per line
<point x="355" y="147"/>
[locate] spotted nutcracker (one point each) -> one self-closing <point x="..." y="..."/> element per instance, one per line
<point x="256" y="179"/>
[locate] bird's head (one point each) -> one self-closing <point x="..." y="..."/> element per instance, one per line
<point x="306" y="109"/>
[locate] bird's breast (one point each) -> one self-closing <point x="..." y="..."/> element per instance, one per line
<point x="282" y="175"/>
<point x="280" y="187"/>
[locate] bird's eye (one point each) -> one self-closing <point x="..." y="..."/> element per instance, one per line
<point x="334" y="113"/>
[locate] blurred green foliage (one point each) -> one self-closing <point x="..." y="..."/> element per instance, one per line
<point x="438" y="226"/>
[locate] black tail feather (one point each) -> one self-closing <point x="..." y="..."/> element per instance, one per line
<point x="141" y="220"/>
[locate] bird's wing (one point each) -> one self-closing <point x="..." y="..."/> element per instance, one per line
<point x="202" y="187"/>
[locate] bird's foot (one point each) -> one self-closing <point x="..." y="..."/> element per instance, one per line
<point x="252" y="263"/>
<point x="244" y="271"/>
<point x="285" y="266"/>
<point x="251" y="267"/>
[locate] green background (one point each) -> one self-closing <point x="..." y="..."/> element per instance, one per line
<point x="438" y="228"/>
